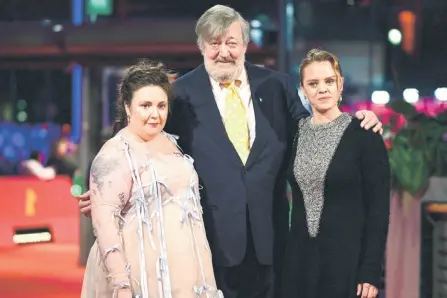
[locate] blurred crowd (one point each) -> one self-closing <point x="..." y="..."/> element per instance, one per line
<point x="42" y="150"/>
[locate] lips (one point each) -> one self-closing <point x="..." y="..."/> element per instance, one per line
<point x="325" y="98"/>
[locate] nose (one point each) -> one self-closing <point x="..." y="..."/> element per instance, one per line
<point x="223" y="51"/>
<point x="154" y="113"/>
<point x="323" y="88"/>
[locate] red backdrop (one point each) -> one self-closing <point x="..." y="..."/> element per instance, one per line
<point x="29" y="203"/>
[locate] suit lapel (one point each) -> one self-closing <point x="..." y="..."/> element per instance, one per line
<point x="211" y="116"/>
<point x="260" y="139"/>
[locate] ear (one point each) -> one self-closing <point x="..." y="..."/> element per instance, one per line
<point x="245" y="48"/>
<point x="302" y="90"/>
<point x="201" y="47"/>
<point x="341" y="83"/>
<point x="127" y="110"/>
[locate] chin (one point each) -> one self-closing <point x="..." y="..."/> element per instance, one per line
<point x="225" y="72"/>
<point x="322" y="109"/>
<point x="150" y="134"/>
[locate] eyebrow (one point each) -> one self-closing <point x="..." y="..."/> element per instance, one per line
<point x="148" y="101"/>
<point x="331" y="77"/>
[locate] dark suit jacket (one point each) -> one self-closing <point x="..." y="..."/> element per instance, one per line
<point x="228" y="185"/>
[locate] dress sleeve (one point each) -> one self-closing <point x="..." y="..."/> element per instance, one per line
<point x="110" y="187"/>
<point x="376" y="194"/>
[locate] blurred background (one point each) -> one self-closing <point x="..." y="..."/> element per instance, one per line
<point x="61" y="60"/>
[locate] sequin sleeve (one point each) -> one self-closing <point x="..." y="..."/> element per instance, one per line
<point x="110" y="183"/>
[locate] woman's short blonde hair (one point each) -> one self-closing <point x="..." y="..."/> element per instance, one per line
<point x="318" y="55"/>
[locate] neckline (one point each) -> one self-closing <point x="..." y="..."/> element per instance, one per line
<point x="340" y="119"/>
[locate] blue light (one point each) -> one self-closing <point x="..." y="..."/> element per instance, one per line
<point x="77" y="12"/>
<point x="76" y="101"/>
<point x="76" y="78"/>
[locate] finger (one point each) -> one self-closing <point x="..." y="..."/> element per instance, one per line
<point x="86" y="208"/>
<point x="85" y="195"/>
<point x="366" y="124"/>
<point x="87" y="211"/>
<point x="360" y="115"/>
<point x="370" y="118"/>
<point x="378" y="127"/>
<point x="359" y="289"/>
<point x="368" y="121"/>
<point x="372" y="292"/>
<point x="365" y="290"/>
<point x="83" y="204"/>
<point x="381" y="131"/>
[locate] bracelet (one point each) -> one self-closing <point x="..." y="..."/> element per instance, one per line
<point x="121" y="285"/>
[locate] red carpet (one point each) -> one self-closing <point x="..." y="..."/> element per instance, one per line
<point x="40" y="271"/>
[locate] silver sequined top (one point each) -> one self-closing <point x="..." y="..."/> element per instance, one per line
<point x="315" y="149"/>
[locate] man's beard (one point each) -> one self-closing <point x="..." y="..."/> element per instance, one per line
<point x="227" y="76"/>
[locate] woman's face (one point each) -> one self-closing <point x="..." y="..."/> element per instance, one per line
<point x="322" y="86"/>
<point x="148" y="112"/>
<point x="62" y="147"/>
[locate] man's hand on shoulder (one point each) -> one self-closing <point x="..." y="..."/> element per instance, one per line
<point x="369" y="119"/>
<point x="85" y="205"/>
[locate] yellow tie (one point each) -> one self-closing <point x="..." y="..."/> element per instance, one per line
<point x="235" y="122"/>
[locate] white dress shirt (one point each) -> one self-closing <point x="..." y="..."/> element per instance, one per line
<point x="220" y="94"/>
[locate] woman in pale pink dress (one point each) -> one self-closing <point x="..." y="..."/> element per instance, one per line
<point x="146" y="209"/>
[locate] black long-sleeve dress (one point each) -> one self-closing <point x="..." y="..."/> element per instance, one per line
<point x="340" y="181"/>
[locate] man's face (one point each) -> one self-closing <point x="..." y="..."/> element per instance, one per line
<point x="224" y="56"/>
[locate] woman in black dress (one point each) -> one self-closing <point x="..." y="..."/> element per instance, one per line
<point x="340" y="179"/>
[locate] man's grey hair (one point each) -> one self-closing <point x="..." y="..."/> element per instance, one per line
<point x="215" y="22"/>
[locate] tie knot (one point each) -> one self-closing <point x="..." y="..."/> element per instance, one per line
<point x="236" y="83"/>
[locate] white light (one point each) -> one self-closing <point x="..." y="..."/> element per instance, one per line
<point x="395" y="36"/>
<point x="255" y="24"/>
<point x="31" y="238"/>
<point x="58" y="28"/>
<point x="22" y="116"/>
<point x="441" y="94"/>
<point x="256" y="36"/>
<point x="380" y="97"/>
<point x="411" y="95"/>
<point x="289" y="10"/>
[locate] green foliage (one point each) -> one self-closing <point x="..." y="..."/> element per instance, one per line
<point x="419" y="149"/>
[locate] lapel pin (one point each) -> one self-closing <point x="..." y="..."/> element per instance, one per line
<point x="260" y="99"/>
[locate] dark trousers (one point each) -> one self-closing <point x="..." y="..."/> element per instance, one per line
<point x="248" y="279"/>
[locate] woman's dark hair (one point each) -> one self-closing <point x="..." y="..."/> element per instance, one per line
<point x="144" y="73"/>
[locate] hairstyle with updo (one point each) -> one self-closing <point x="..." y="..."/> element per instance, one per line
<point x="318" y="55"/>
<point x="144" y="73"/>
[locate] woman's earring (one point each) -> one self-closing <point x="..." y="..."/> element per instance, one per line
<point x="128" y="119"/>
<point x="339" y="101"/>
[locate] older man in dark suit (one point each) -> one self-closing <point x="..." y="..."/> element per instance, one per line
<point x="235" y="119"/>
